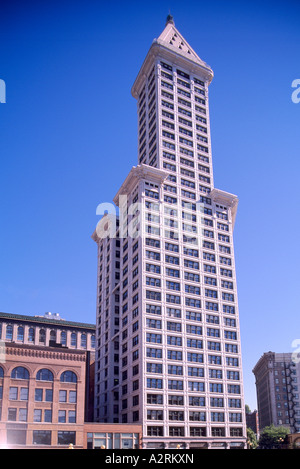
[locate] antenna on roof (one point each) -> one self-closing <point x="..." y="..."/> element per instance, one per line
<point x="170" y="19"/>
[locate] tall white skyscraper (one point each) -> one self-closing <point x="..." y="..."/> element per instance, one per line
<point x="168" y="336"/>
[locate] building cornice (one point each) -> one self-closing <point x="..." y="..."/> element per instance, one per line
<point x="225" y="198"/>
<point x="50" y="353"/>
<point x="137" y="173"/>
<point x="169" y="53"/>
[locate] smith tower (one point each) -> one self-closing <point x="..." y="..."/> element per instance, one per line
<point x="168" y="336"/>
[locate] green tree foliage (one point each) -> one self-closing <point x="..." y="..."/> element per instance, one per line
<point x="251" y="439"/>
<point x="247" y="409"/>
<point x="272" y="437"/>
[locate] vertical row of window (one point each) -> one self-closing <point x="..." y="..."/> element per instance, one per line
<point x="147" y="122"/>
<point x="182" y="114"/>
<point x="108" y="320"/>
<point x="130" y="338"/>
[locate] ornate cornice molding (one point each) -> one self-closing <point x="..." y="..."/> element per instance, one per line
<point x="230" y="200"/>
<point x="137" y="173"/>
<point x="45" y="353"/>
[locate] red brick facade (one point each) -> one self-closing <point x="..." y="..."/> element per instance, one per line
<point x="35" y="400"/>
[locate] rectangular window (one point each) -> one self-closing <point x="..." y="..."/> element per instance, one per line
<point x="153" y="323"/>
<point x="41" y="437"/>
<point x="24" y="394"/>
<point x="175" y="370"/>
<point x="72" y="416"/>
<point x="153" y="309"/>
<point x="12" y="414"/>
<point x="176" y="431"/>
<point x="174" y="340"/>
<point x="154" y="353"/>
<point x="13" y="393"/>
<point x="65" y="438"/>
<point x="62" y="416"/>
<point x="195" y="357"/>
<point x="197" y="416"/>
<point x="153" y="295"/>
<point x="48" y="415"/>
<point x="175" y="384"/>
<point x="48" y="395"/>
<point x="175" y="400"/>
<point x="73" y="397"/>
<point x="155" y="399"/>
<point x="174" y="355"/>
<point x="174" y="326"/>
<point x="62" y="396"/>
<point x="154" y="383"/>
<point x="155" y="431"/>
<point x="175" y="299"/>
<point x="154" y="338"/>
<point x="154" y="368"/>
<point x="176" y="415"/>
<point x="196" y="386"/>
<point x="22" y="415"/>
<point x="37" y="415"/>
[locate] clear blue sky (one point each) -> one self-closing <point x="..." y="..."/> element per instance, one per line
<point x="68" y="138"/>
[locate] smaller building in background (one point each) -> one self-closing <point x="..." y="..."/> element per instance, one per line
<point x="47" y="387"/>
<point x="277" y="377"/>
<point x="252" y="422"/>
<point x="47" y="330"/>
<point x="46" y="380"/>
<point x="42" y="391"/>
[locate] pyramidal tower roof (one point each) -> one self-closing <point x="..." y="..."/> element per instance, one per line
<point x="171" y="38"/>
<point x="172" y="44"/>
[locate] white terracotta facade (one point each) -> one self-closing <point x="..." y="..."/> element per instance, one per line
<point x="168" y="352"/>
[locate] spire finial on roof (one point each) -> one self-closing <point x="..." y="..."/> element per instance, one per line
<point x="170" y="19"/>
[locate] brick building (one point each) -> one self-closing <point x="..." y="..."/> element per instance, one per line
<point x="42" y="392"/>
<point x="276" y="378"/>
<point x="49" y="329"/>
<point x="47" y="387"/>
<point x="46" y="380"/>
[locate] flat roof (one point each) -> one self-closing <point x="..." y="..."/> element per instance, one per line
<point x="45" y="320"/>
